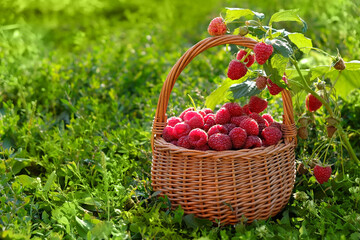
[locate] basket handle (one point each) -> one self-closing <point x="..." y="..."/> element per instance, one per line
<point x="160" y="115"/>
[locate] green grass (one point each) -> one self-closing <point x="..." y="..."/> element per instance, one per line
<point x="79" y="85"/>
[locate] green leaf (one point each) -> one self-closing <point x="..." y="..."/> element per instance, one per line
<point x="49" y="182"/>
<point x="281" y="46"/>
<point x="222" y="94"/>
<point x="67" y="103"/>
<point x="303" y="43"/>
<point x="244" y="89"/>
<point x="27" y="181"/>
<point x="287" y="15"/>
<point x="275" y="68"/>
<point x="236" y="13"/>
<point x="353" y="65"/>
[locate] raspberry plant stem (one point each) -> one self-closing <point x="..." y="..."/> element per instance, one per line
<point x="339" y="128"/>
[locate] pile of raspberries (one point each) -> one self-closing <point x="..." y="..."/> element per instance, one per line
<point x="232" y="127"/>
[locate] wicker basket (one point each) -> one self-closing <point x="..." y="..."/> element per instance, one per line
<point x="226" y="185"/>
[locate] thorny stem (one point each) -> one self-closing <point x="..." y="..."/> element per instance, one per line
<point x="339" y="128"/>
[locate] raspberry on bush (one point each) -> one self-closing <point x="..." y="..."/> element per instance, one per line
<point x="217" y="27"/>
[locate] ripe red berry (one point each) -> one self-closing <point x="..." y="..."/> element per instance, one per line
<point x="198" y="137"/>
<point x="276" y="125"/>
<point x="194" y="119"/>
<point x="203" y="147"/>
<point x="173" y="121"/>
<point x="217" y="129"/>
<point x="257" y="105"/>
<point x="271" y="135"/>
<point x="184" y="142"/>
<point x="268" y="118"/>
<point x="220" y="142"/>
<point x="185" y="111"/>
<point x="252" y="142"/>
<point x="273" y="88"/>
<point x="312" y="103"/>
<point x="217" y="27"/>
<point x="181" y="129"/>
<point x="250" y="126"/>
<point x="236" y="70"/>
<point x="259" y="119"/>
<point x="246" y="109"/>
<point x="222" y="116"/>
<point x="249" y="60"/>
<point x="261" y="82"/>
<point x="238" y="137"/>
<point x="234" y="109"/>
<point x="168" y="134"/>
<point x="322" y="174"/>
<point x="262" y="52"/>
<point x="229" y="126"/>
<point x="207" y="111"/>
<point x="237" y="120"/>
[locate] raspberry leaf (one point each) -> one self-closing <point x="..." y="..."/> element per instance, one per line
<point x="276" y="68"/>
<point x="303" y="43"/>
<point x="244" y="89"/>
<point x="282" y="46"/>
<point x="287" y="15"/>
<point x="236" y="13"/>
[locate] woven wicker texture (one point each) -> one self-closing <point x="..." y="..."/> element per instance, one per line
<point x="223" y="186"/>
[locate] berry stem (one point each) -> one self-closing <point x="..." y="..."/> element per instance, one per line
<point x="247" y="54"/>
<point x="339" y="128"/>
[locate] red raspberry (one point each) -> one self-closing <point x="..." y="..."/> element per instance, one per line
<point x="174" y="142"/>
<point x="203" y="114"/>
<point x="222" y="116"/>
<point x="229" y="126"/>
<point x="168" y="134"/>
<point x="207" y="111"/>
<point x="271" y="135"/>
<point x="276" y="125"/>
<point x="184" y="142"/>
<point x="217" y="129"/>
<point x="236" y="70"/>
<point x="220" y="142"/>
<point x="173" y="121"/>
<point x="181" y="129"/>
<point x="257" y="105"/>
<point x="322" y="174"/>
<point x="194" y="119"/>
<point x="238" y="137"/>
<point x="262" y="52"/>
<point x="238" y="120"/>
<point x="185" y="111"/>
<point x="234" y="109"/>
<point x="258" y="119"/>
<point x="203" y="147"/>
<point x="217" y="27"/>
<point x="210" y="119"/>
<point x="251" y="126"/>
<point x="246" y="109"/>
<point x="262" y="126"/>
<point x="249" y="60"/>
<point x="252" y="142"/>
<point x="268" y="118"/>
<point x="273" y="88"/>
<point x="312" y="103"/>
<point x="198" y="137"/>
<point x="261" y="82"/>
